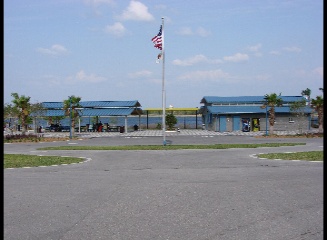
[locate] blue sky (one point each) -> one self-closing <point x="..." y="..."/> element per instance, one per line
<point x="101" y="50"/>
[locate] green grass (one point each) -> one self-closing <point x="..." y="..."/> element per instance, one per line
<point x="22" y="160"/>
<point x="307" y="156"/>
<point x="170" y="147"/>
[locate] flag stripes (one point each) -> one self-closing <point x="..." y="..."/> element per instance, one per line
<point x="157" y="40"/>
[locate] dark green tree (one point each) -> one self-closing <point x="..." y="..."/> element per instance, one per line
<point x="306" y="92"/>
<point x="37" y="111"/>
<point x="54" y="119"/>
<point x="298" y="109"/>
<point x="22" y="109"/>
<point x="71" y="108"/>
<point x="171" y="120"/>
<point x="272" y="100"/>
<point x="318" y="105"/>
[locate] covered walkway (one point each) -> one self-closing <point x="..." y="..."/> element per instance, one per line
<point x="95" y="109"/>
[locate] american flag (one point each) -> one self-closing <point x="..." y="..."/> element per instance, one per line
<point x="157" y="40"/>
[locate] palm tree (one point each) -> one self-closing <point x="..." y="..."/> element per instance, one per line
<point x="22" y="107"/>
<point x="54" y="119"/>
<point x="272" y="100"/>
<point x="37" y="111"/>
<point x="306" y="92"/>
<point x="71" y="106"/>
<point x="298" y="109"/>
<point x="318" y="105"/>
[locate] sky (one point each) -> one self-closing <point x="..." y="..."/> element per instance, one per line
<point x="101" y="50"/>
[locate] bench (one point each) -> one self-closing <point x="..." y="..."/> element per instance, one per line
<point x="113" y="128"/>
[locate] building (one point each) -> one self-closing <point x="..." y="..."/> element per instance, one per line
<point x="95" y="109"/>
<point x="226" y="114"/>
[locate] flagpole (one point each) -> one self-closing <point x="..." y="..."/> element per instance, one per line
<point x="163" y="86"/>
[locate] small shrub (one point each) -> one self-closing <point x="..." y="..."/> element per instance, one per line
<point x="21" y="138"/>
<point x="171" y="120"/>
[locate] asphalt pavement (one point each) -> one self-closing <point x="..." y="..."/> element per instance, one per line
<point x="170" y="194"/>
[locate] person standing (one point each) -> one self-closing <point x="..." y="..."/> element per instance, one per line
<point x="100" y="127"/>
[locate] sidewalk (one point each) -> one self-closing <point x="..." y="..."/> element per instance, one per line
<point x="154" y="133"/>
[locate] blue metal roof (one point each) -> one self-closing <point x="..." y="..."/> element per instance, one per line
<point x="235" y="109"/>
<point x="94" y="108"/>
<point x="134" y="103"/>
<point x="248" y="109"/>
<point x="246" y="99"/>
<point x="92" y="112"/>
<point x="52" y="104"/>
<point x="107" y="112"/>
<point x="94" y="104"/>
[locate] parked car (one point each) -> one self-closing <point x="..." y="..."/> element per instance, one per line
<point x="54" y="128"/>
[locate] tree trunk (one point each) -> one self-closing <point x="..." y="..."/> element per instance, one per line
<point x="321" y="120"/>
<point x="23" y="126"/>
<point x="73" y="127"/>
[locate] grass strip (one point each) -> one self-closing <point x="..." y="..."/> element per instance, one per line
<point x="22" y="160"/>
<point x="308" y="156"/>
<point x="170" y="147"/>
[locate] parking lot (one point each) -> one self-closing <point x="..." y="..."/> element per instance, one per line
<point x="181" y="194"/>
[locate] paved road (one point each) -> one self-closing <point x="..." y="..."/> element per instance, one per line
<point x="181" y="194"/>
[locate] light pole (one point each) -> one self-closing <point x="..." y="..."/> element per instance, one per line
<point x="70" y="117"/>
<point x="266" y="115"/>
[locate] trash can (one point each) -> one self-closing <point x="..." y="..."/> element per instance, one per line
<point x="203" y="127"/>
<point x="136" y="127"/>
<point x="122" y="129"/>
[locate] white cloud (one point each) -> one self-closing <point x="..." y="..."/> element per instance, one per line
<point x="205" y="75"/>
<point x="116" y="29"/>
<point x="143" y="73"/>
<point x="255" y="48"/>
<point x="193" y="60"/>
<point x="54" y="50"/>
<point x="136" y="11"/>
<point x="81" y="76"/>
<point x="238" y="57"/>
<point x="292" y="49"/>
